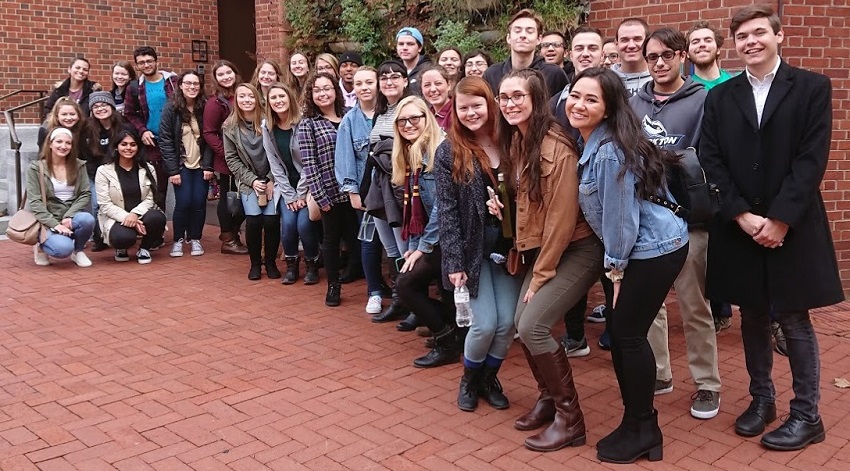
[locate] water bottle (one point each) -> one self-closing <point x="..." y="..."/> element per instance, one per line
<point x="367" y="228"/>
<point x="464" y="310"/>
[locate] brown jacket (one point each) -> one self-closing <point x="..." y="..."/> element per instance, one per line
<point x="556" y="221"/>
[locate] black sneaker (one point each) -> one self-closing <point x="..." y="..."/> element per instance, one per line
<point x="575" y="348"/>
<point x="121" y="255"/>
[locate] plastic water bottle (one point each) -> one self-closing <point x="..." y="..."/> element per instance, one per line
<point x="464" y="310"/>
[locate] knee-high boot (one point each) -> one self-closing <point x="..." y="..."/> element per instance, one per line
<point x="254" y="239"/>
<point x="544" y="410"/>
<point x="567" y="429"/>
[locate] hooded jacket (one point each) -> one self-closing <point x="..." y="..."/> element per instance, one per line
<point x="413" y="84"/>
<point x="553" y="75"/>
<point x="63" y="88"/>
<point x="633" y="81"/>
<point x="674" y="123"/>
<point x="382" y="199"/>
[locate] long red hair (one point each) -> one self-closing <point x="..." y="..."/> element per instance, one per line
<point x="465" y="148"/>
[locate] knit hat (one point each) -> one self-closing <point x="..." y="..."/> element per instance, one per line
<point x="350" y="56"/>
<point x="101" y="97"/>
<point x="411" y="31"/>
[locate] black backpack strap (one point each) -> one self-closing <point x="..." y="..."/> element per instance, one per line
<point x="677" y="209"/>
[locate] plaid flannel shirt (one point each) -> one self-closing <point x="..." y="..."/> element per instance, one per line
<point x="317" y="143"/>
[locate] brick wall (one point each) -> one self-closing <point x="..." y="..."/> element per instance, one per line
<point x="272" y="30"/>
<point x="816" y="38"/>
<point x="40" y="37"/>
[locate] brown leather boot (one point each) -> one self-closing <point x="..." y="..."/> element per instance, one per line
<point x="230" y="244"/>
<point x="568" y="427"/>
<point x="544" y="410"/>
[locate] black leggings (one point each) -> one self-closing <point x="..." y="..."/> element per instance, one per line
<point x="340" y="223"/>
<point x="226" y="222"/>
<point x="412" y="288"/>
<point x="121" y="237"/>
<point x="262" y="231"/>
<point x="643" y="289"/>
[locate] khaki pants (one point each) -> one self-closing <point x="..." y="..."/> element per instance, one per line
<point x="698" y="325"/>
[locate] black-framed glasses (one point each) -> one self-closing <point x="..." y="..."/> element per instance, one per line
<point x="391" y="77"/>
<point x="555" y="44"/>
<point x="326" y="90"/>
<point x="666" y="55"/>
<point x="412" y="120"/>
<point x="613" y="56"/>
<point x="192" y="84"/>
<point x="146" y="62"/>
<point x="516" y="98"/>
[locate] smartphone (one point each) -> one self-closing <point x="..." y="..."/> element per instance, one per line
<point x="492" y="193"/>
<point x="399" y="262"/>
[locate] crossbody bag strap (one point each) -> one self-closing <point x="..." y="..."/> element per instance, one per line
<point x="41" y="232"/>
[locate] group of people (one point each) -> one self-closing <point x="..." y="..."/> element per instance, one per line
<point x="525" y="182"/>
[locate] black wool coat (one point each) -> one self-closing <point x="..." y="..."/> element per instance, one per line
<point x="773" y="170"/>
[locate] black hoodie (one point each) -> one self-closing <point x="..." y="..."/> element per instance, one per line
<point x="554" y="76"/>
<point x="413" y="84"/>
<point x="674" y="123"/>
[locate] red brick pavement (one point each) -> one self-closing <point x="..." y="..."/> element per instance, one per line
<point x="186" y="365"/>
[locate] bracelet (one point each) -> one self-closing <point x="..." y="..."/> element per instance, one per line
<point x="614" y="276"/>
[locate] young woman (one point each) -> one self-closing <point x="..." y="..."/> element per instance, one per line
<point x="352" y="150"/>
<point x="645" y="245"/>
<point x="436" y="89"/>
<point x="324" y="108"/>
<point x="216" y="111"/>
<point x="266" y="73"/>
<point x="122" y="74"/>
<point x="328" y="64"/>
<point x="125" y="188"/>
<point x="77" y="87"/>
<point x="67" y="193"/>
<point x="299" y="67"/>
<point x="104" y="126"/>
<point x="563" y="254"/>
<point x="188" y="161"/>
<point x="450" y="59"/>
<point x="69" y="115"/>
<point x="416" y="139"/>
<point x="246" y="157"/>
<point x="279" y="140"/>
<point x="467" y="163"/>
<point x="381" y="200"/>
<point x="475" y="63"/>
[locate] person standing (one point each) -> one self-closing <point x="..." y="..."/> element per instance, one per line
<point x="704" y="43"/>
<point x="76" y="87"/>
<point x="765" y="144"/>
<point x="409" y="46"/>
<point x="632" y="69"/>
<point x="610" y="53"/>
<point x="348" y="64"/>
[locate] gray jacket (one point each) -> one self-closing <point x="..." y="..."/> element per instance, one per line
<point x="281" y="180"/>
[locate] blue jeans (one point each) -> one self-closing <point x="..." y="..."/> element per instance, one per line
<point x="388" y="238"/>
<point x="295" y="225"/>
<point x="61" y="246"/>
<point x="370" y="255"/>
<point x="493" y="310"/>
<point x="190" y="204"/>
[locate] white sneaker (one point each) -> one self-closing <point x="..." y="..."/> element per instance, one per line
<point x="373" y="306"/>
<point x="196" y="247"/>
<point x="143" y="256"/>
<point x="40" y="257"/>
<point x="597" y="315"/>
<point x="177" y="249"/>
<point x="121" y="255"/>
<point x="80" y="259"/>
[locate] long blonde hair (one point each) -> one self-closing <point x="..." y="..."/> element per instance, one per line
<point x="237" y="116"/>
<point x="410" y="155"/>
<point x="294" y="113"/>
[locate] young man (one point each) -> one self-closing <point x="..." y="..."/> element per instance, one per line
<point x="585" y="52"/>
<point x="765" y="143"/>
<point x="408" y="46"/>
<point x="143" y="107"/>
<point x="553" y="48"/>
<point x="523" y="38"/>
<point x="670" y="109"/>
<point x="632" y="68"/>
<point x="704" y="42"/>
<point x="610" y="53"/>
<point x="348" y="64"/>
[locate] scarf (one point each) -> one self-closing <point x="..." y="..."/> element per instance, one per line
<point x="414" y="218"/>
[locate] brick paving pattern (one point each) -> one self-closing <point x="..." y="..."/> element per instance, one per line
<point x="186" y="365"/>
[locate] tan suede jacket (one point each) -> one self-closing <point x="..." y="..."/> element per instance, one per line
<point x="556" y="221"/>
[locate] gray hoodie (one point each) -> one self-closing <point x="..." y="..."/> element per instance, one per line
<point x="633" y="81"/>
<point x="674" y="123"/>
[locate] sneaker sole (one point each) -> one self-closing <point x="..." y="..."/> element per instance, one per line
<point x="122" y="259"/>
<point x="704" y="415"/>
<point x="373" y="311"/>
<point x="581" y="352"/>
<point x="144" y="262"/>
<point x="196" y="254"/>
<point x="175" y="255"/>
<point x="659" y="392"/>
<point x="595" y="320"/>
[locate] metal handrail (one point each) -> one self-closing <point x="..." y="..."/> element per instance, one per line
<point x="41" y="93"/>
<point x="16" y="143"/>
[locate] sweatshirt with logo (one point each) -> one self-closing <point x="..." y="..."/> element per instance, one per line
<point x="674" y="123"/>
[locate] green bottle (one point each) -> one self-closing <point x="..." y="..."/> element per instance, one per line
<point x="507" y="220"/>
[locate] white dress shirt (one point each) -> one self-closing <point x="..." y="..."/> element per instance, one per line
<point x="762" y="87"/>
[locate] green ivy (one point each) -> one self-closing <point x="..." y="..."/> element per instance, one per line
<point x="453" y="33"/>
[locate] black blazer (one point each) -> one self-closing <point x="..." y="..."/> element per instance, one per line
<point x="772" y="170"/>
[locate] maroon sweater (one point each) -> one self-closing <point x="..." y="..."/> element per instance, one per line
<point x="215" y="112"/>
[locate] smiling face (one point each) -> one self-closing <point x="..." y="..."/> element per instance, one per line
<point x="515" y="103"/>
<point x="60" y="146"/>
<point x="347" y="71"/>
<point x="298" y="65"/>
<point x="127" y="148"/>
<point x="225" y="76"/>
<point x="586" y="51"/>
<point x="67" y="116"/>
<point x="666" y="73"/>
<point x="191" y="86"/>
<point x="120" y="76"/>
<point x="585" y="106"/>
<point x="366" y="86"/>
<point x="324" y="93"/>
<point x="552" y="48"/>
<point x="610" y="55"/>
<point x="523" y="36"/>
<point x="702" y="47"/>
<point x="450" y="60"/>
<point x="630" y="37"/>
<point x="472" y="111"/>
<point x="392" y="85"/>
<point x="326" y="67"/>
<point x="407" y="48"/>
<point x="79" y="70"/>
<point x="757" y="45"/>
<point x="266" y="75"/>
<point x="475" y="66"/>
<point x="245" y="99"/>
<point x="102" y="111"/>
<point x="146" y="64"/>
<point x="410" y="122"/>
<point x="435" y="89"/>
<point x="279" y="101"/>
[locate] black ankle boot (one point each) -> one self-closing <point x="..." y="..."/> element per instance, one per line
<point x="447" y="349"/>
<point x="291" y="275"/>
<point x="255" y="273"/>
<point x="470" y="383"/>
<point x="332" y="298"/>
<point x="271" y="269"/>
<point x="491" y="389"/>
<point x="311" y="277"/>
<point x="640" y="436"/>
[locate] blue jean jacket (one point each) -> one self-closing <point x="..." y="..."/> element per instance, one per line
<point x="630" y="227"/>
<point x="352" y="149"/>
<point x="426" y="241"/>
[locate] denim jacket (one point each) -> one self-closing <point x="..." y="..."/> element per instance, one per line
<point x="426" y="241"/>
<point x="630" y="227"/>
<point x="352" y="149"/>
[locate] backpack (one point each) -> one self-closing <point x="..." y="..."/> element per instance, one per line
<point x="697" y="199"/>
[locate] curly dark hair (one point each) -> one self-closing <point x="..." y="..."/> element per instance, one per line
<point x="310" y="108"/>
<point x="179" y="100"/>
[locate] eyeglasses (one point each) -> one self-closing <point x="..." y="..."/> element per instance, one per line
<point x="146" y="62"/>
<point x="98" y="106"/>
<point x="666" y="55"/>
<point x="325" y="90"/>
<point x="391" y="78"/>
<point x="476" y="64"/>
<point x="192" y="84"/>
<point x="412" y="120"/>
<point x="517" y="99"/>
<point x="613" y="56"/>
<point x="555" y="44"/>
